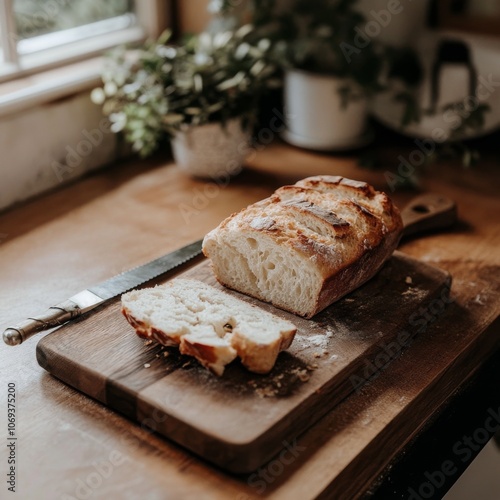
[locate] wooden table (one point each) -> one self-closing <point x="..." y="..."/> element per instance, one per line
<point x="72" y="447"/>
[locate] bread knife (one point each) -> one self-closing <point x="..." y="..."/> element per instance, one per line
<point x="96" y="295"/>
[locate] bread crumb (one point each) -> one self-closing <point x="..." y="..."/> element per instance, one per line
<point x="148" y="342"/>
<point x="324" y="352"/>
<point x="166" y="354"/>
<point x="478" y="299"/>
<point x="147" y="365"/>
<point x="303" y="375"/>
<point x="265" y="392"/>
<point x="408" y="280"/>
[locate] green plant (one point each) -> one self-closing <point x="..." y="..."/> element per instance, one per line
<point x="404" y="66"/>
<point x="167" y="88"/>
<point x="321" y="36"/>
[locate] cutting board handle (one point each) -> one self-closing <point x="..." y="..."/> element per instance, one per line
<point x="428" y="211"/>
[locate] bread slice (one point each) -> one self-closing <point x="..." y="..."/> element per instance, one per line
<point x="208" y="324"/>
<point x="307" y="245"/>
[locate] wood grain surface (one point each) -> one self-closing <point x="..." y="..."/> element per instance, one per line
<point x="71" y="446"/>
<point x="240" y="421"/>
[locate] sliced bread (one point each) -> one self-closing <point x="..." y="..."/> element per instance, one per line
<point x="208" y="324"/>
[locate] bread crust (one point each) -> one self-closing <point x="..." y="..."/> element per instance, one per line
<point x="341" y="213"/>
<point x="352" y="276"/>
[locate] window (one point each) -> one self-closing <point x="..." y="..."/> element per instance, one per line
<point x="34" y="17"/>
<point x="41" y="34"/>
<point x="48" y="64"/>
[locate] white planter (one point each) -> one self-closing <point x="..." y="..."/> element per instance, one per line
<point x="211" y="151"/>
<point x="315" y="116"/>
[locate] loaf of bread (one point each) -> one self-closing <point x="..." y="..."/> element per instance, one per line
<point x="307" y="245"/>
<point x="208" y="324"/>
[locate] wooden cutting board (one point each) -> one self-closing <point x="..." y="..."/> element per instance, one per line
<point x="241" y="420"/>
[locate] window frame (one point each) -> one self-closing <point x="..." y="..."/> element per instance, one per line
<point x="152" y="18"/>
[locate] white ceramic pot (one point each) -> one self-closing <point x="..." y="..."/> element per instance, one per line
<point x="315" y="116"/>
<point x="211" y="151"/>
<point x="453" y="87"/>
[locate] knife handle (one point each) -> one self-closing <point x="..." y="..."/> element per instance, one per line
<point x="54" y="316"/>
<point x="428" y="211"/>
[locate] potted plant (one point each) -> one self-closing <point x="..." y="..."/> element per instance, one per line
<point x="203" y="94"/>
<point x="331" y="69"/>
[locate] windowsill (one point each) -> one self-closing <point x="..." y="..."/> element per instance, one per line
<point x="40" y="88"/>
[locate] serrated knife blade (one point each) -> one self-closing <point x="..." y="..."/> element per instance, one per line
<point x="96" y="295"/>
